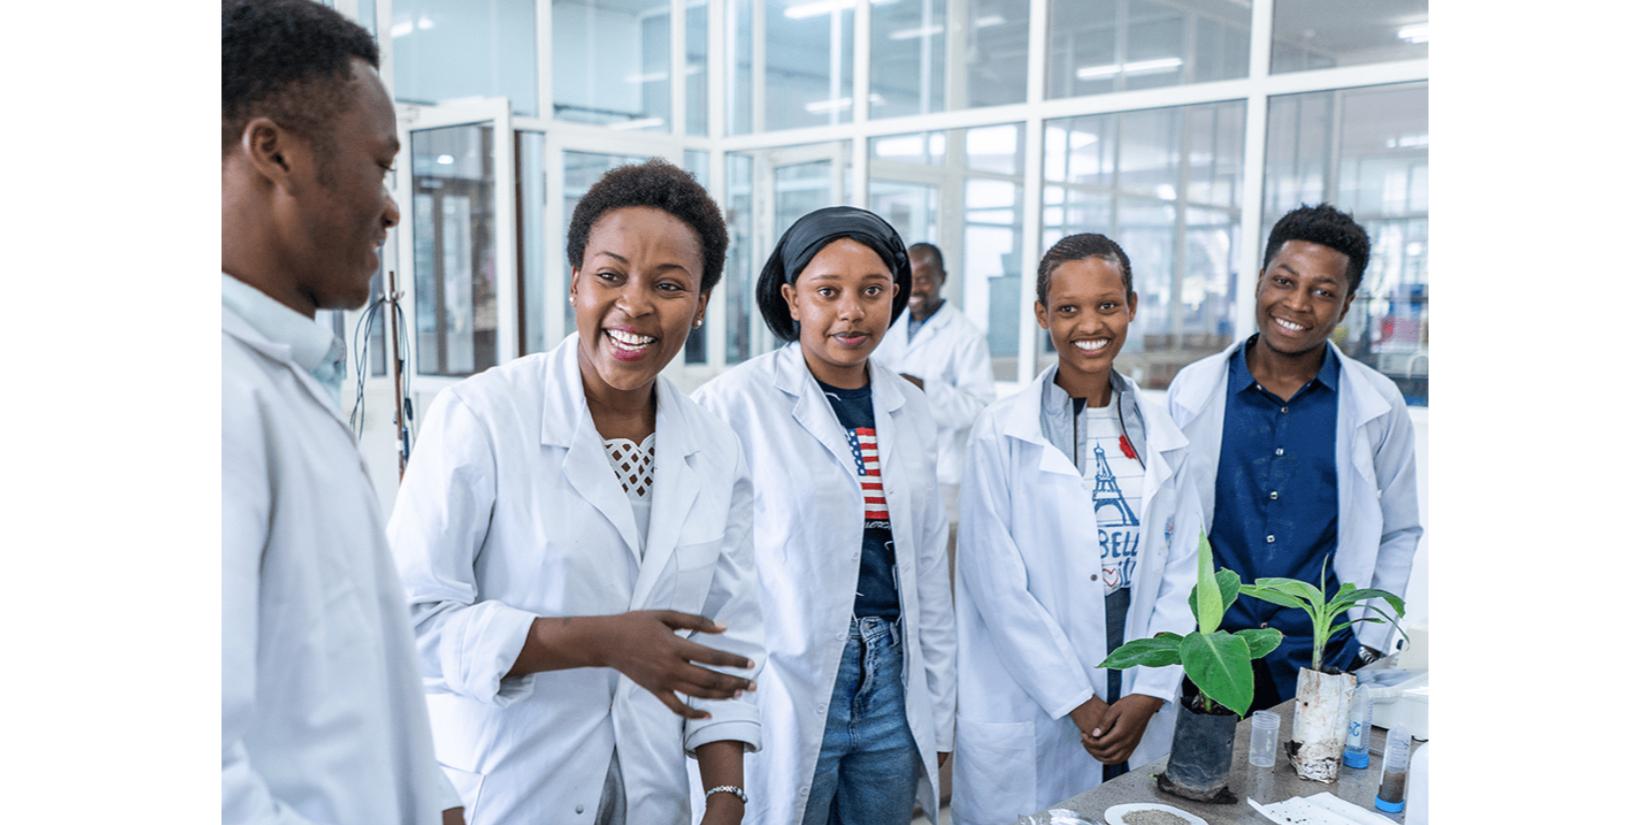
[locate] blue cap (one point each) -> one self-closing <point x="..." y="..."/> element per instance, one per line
<point x="1355" y="759"/>
<point x="1388" y="807"/>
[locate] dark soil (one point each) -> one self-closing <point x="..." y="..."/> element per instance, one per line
<point x="1223" y="796"/>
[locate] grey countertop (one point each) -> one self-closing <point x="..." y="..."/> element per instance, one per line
<point x="1264" y="785"/>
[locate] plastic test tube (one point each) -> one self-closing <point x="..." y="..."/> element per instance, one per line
<point x="1356" y="754"/>
<point x="1263" y="739"/>
<point x="1394" y="771"/>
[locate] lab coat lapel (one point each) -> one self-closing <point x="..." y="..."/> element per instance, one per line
<point x="675" y="488"/>
<point x="812" y="411"/>
<point x="237" y="327"/>
<point x="1165" y="450"/>
<point x="567" y="423"/>
<point x="1358" y="405"/>
<point x="1026" y="424"/>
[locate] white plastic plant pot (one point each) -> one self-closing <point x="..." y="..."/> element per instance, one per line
<point x="1323" y="709"/>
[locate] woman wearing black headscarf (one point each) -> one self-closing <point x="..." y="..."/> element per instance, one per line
<point x="859" y="693"/>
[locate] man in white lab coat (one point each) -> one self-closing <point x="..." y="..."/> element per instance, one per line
<point x="323" y="718"/>
<point x="937" y="348"/>
<point x="1309" y="455"/>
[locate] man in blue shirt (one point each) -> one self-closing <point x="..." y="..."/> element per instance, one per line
<point x="1275" y="418"/>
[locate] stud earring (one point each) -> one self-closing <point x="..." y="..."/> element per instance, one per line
<point x="699" y="323"/>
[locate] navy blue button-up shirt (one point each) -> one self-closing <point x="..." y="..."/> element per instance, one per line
<point x="1277" y="504"/>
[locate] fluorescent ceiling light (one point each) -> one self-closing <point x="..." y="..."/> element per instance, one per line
<point x="1165" y="191"/>
<point x="406" y="27"/>
<point x="817" y="8"/>
<point x="818" y="107"/>
<point x="638" y="78"/>
<point x="644" y="123"/>
<point x="1415" y="33"/>
<point x="1137" y="67"/>
<point x="988" y="21"/>
<point x="1407" y="142"/>
<point x="444" y="160"/>
<point x="919" y="31"/>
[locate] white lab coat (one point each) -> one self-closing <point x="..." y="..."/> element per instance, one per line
<point x="510" y="510"/>
<point x="1031" y="616"/>
<point x="1379" y="520"/>
<point x="810" y="517"/>
<point x="323" y="719"/>
<point x="950" y="355"/>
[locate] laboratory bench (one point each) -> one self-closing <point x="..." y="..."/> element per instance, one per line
<point x="1264" y="785"/>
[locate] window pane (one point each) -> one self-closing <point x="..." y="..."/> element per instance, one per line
<point x="580" y="171"/>
<point x="1099" y="46"/>
<point x="1319" y="34"/>
<point x="787" y="183"/>
<point x="380" y="324"/>
<point x="698" y="72"/>
<point x="446" y="49"/>
<point x="792" y="64"/>
<point x="962" y="190"/>
<point x="533" y="261"/>
<point x="1365" y="151"/>
<point x="1165" y="184"/>
<point x="612" y="62"/>
<point x="912" y="45"/>
<point x="454" y="251"/>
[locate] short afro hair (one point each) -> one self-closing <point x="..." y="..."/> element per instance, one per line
<point x="1327" y="226"/>
<point x="661" y="185"/>
<point x="926" y="248"/>
<point x="288" y="60"/>
<point x="1076" y="248"/>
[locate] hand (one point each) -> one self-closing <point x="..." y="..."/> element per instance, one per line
<point x="723" y="809"/>
<point x="452" y="816"/>
<point x="1087" y="717"/>
<point x="1124" y="724"/>
<point x="944" y="755"/>
<point x="643" y="645"/>
<point x="913" y="379"/>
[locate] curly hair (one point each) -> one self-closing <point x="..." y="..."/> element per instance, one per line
<point x="1076" y="248"/>
<point x="288" y="60"/>
<point x="663" y="186"/>
<point x="1327" y="226"/>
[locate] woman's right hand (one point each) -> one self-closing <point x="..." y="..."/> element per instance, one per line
<point x="643" y="645"/>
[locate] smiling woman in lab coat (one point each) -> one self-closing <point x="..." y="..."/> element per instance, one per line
<point x="1078" y="532"/>
<point x="563" y="516"/>
<point x="858" y="694"/>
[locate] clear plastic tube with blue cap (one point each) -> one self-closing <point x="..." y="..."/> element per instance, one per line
<point x="1394" y="771"/>
<point x="1356" y="754"/>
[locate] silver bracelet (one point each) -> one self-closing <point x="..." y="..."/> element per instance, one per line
<point x="732" y="789"/>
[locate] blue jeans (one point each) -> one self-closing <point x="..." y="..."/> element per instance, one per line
<point x="868" y="763"/>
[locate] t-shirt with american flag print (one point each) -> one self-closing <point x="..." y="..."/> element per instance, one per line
<point x="877" y="593"/>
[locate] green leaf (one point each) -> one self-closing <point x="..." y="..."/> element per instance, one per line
<point x="1229" y="586"/>
<point x="1276" y="597"/>
<point x="1158" y="651"/>
<point x="1299" y="589"/>
<point x="1261" y="640"/>
<point x="1207" y="593"/>
<point x="1218" y="663"/>
<point x="1352" y="598"/>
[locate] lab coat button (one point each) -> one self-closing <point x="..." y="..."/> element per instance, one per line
<point x="1094" y="577"/>
<point x="821" y="709"/>
<point x="578" y="809"/>
<point x="842" y="635"/>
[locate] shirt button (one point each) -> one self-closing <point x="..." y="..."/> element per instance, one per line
<point x="1263" y="625"/>
<point x="1278" y="451"/>
<point x="1274" y="495"/>
<point x="1286" y="410"/>
<point x="1270" y="538"/>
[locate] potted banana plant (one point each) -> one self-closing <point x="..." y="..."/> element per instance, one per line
<point x="1323" y="697"/>
<point x="1217" y="665"/>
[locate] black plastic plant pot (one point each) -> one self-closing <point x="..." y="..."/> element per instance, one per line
<point x="1200" y="760"/>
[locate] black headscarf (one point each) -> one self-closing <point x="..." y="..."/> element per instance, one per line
<point x="803" y="241"/>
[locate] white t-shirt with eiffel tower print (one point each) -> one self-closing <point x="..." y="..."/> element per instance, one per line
<point x="1116" y="479"/>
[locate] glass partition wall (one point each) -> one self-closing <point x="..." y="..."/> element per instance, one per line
<point x="1182" y="128"/>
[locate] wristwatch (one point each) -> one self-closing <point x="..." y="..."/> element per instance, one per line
<point x="730" y="789"/>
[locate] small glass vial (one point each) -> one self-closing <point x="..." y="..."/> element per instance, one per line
<point x="1394" y="771"/>
<point x="1263" y="739"/>
<point x="1356" y="754"/>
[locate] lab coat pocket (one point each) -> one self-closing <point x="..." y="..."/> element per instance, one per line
<point x="467" y="785"/>
<point x="995" y="771"/>
<point x="695" y="566"/>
